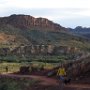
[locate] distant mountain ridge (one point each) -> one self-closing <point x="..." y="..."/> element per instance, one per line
<point x="79" y="30"/>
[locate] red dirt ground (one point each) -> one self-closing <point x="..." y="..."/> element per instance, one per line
<point x="51" y="83"/>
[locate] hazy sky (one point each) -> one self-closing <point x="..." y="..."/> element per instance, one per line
<point x="68" y="13"/>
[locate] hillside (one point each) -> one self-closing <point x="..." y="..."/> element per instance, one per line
<point x="27" y="30"/>
<point x="82" y="31"/>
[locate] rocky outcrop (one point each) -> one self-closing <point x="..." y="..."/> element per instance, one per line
<point x="4" y="51"/>
<point x="65" y="50"/>
<point x="34" y="50"/>
<point x="43" y="50"/>
<point x="37" y="50"/>
<point x="29" y="22"/>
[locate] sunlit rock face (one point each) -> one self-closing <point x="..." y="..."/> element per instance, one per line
<point x="43" y="50"/>
<point x="29" y="22"/>
<point x="34" y="49"/>
<point x="65" y="50"/>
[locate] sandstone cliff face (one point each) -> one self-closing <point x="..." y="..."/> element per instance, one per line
<point x="33" y="50"/>
<point x="42" y="50"/>
<point x="29" y="22"/>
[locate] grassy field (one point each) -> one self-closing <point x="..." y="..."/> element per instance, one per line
<point x="12" y="67"/>
<point x="13" y="63"/>
<point x="15" y="67"/>
<point x="47" y="62"/>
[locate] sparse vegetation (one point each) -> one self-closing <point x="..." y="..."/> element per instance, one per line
<point x="7" y="83"/>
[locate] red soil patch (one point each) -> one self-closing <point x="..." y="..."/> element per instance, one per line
<point x="51" y="83"/>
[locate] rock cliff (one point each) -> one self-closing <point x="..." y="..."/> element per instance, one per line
<point x="29" y="22"/>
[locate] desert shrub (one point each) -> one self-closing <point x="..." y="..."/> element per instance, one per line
<point x="8" y="84"/>
<point x="14" y="83"/>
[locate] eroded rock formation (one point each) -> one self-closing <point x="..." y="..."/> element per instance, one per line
<point x="43" y="49"/>
<point x="29" y="22"/>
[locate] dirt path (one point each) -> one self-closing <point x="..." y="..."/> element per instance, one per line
<point x="79" y="86"/>
<point x="49" y="81"/>
<point x="44" y="80"/>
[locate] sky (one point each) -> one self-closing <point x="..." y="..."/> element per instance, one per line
<point x="68" y="13"/>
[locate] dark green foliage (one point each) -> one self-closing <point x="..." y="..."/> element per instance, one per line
<point x="7" y="83"/>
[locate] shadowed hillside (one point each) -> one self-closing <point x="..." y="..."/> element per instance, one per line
<point x="81" y="31"/>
